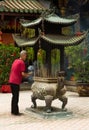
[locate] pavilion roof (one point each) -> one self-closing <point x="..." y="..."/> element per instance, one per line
<point x="52" y="39"/>
<point x="21" y="6"/>
<point x="52" y="18"/>
<point x="63" y="40"/>
<point x="21" y="42"/>
<point x="31" y="23"/>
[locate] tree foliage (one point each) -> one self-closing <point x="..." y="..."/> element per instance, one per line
<point x="7" y="55"/>
<point x="79" y="62"/>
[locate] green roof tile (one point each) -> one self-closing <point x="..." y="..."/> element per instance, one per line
<point x="51" y="39"/>
<point x="53" y="18"/>
<point x="25" y="42"/>
<point x="64" y="40"/>
<point x="22" y="6"/>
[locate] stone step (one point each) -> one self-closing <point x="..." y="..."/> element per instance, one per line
<point x="25" y="86"/>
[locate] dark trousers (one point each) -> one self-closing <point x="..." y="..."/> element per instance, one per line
<point x="15" y="98"/>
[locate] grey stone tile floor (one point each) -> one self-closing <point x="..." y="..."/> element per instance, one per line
<point x="78" y="120"/>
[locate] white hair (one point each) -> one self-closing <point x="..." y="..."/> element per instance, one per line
<point x="22" y="52"/>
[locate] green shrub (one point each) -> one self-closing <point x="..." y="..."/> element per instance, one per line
<point x="8" y="53"/>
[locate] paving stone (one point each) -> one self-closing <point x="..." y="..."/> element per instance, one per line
<point x="79" y="106"/>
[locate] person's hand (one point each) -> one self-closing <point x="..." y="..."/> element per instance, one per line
<point x="30" y="73"/>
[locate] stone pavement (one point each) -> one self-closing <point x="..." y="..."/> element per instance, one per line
<point x="78" y="120"/>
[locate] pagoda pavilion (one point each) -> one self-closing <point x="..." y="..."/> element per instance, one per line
<point x="48" y="35"/>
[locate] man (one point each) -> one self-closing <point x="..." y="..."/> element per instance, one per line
<point x="16" y="75"/>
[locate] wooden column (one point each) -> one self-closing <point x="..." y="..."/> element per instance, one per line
<point x="48" y="61"/>
<point x="35" y="53"/>
<point x="2" y="17"/>
<point x="61" y="58"/>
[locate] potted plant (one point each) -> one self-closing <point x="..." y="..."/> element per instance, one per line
<point x="82" y="76"/>
<point x="7" y="55"/>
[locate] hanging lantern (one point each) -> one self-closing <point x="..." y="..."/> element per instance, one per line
<point x="39" y="52"/>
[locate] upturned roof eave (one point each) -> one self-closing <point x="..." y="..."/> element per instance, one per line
<point x="58" y="20"/>
<point x="64" y="41"/>
<point x="21" y="42"/>
<point x="32" y="23"/>
<point x="55" y="19"/>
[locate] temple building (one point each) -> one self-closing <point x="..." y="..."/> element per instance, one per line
<point x="13" y="10"/>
